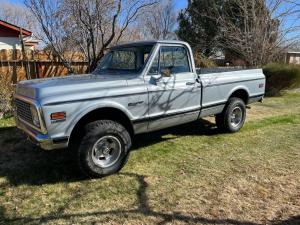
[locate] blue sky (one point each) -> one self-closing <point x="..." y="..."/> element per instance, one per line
<point x="15" y="1"/>
<point x="180" y="4"/>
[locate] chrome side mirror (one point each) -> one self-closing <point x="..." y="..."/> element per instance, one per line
<point x="164" y="73"/>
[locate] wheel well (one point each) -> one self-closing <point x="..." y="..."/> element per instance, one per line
<point x="102" y="113"/>
<point x="242" y="94"/>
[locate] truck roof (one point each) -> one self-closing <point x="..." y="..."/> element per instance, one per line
<point x="150" y="42"/>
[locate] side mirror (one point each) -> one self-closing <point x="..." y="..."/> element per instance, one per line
<point x="164" y="73"/>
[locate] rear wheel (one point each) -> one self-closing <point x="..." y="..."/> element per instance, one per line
<point x="104" y="149"/>
<point x="233" y="116"/>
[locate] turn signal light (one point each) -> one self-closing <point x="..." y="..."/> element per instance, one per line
<point x="58" y="116"/>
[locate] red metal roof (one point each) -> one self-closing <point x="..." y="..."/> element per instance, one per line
<point x="11" y="30"/>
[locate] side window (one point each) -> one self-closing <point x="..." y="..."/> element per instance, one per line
<point x="175" y="59"/>
<point x="154" y="67"/>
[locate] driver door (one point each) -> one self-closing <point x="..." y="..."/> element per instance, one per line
<point x="174" y="94"/>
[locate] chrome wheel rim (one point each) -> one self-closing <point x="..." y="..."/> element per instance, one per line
<point x="106" y="151"/>
<point x="236" y="116"/>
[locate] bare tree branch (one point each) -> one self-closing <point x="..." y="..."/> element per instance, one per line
<point x="159" y="21"/>
<point x="89" y="25"/>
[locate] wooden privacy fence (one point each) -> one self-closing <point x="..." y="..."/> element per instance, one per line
<point x="38" y="64"/>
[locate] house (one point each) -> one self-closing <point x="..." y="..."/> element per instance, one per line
<point x="10" y="37"/>
<point x="292" y="57"/>
<point x="31" y="43"/>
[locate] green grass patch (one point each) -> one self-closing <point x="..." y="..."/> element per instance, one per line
<point x="275" y="120"/>
<point x="191" y="174"/>
<point x="7" y="122"/>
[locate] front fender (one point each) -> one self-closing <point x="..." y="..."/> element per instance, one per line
<point x="74" y="112"/>
<point x="92" y="107"/>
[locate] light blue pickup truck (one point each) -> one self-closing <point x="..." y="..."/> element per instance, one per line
<point x="137" y="87"/>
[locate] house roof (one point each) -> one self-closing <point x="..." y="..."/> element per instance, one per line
<point x="13" y="30"/>
<point x="31" y="40"/>
<point x="293" y="52"/>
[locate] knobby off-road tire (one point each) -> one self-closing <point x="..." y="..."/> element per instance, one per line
<point x="233" y="116"/>
<point x="104" y="148"/>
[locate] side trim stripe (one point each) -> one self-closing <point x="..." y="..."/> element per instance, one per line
<point x="233" y="82"/>
<point x="197" y="110"/>
<point x="91" y="99"/>
<point x="214" y="105"/>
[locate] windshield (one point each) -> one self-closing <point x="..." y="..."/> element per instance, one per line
<point x="124" y="60"/>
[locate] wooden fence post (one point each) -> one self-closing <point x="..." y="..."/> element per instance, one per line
<point x="2" y="67"/>
<point x="14" y="73"/>
<point x="24" y="55"/>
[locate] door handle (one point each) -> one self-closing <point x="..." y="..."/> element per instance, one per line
<point x="190" y="83"/>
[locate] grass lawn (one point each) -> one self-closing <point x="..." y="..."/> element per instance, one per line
<point x="188" y="174"/>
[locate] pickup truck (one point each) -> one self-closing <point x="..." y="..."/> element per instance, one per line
<point x="137" y="88"/>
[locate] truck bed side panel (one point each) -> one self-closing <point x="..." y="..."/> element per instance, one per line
<point x="218" y="87"/>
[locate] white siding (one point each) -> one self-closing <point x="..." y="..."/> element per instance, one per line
<point x="9" y="43"/>
<point x="294" y="59"/>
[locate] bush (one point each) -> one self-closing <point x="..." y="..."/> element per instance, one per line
<point x="281" y="77"/>
<point x="6" y="95"/>
<point x="203" y="62"/>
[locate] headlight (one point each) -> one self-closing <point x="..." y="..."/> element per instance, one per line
<point x="35" y="116"/>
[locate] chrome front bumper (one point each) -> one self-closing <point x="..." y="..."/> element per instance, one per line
<point x="42" y="140"/>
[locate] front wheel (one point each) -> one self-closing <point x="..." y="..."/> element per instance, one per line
<point x="104" y="149"/>
<point x="233" y="116"/>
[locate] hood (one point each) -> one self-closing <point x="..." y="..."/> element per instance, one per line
<point x="87" y="84"/>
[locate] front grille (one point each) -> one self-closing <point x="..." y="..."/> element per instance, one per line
<point x="23" y="111"/>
